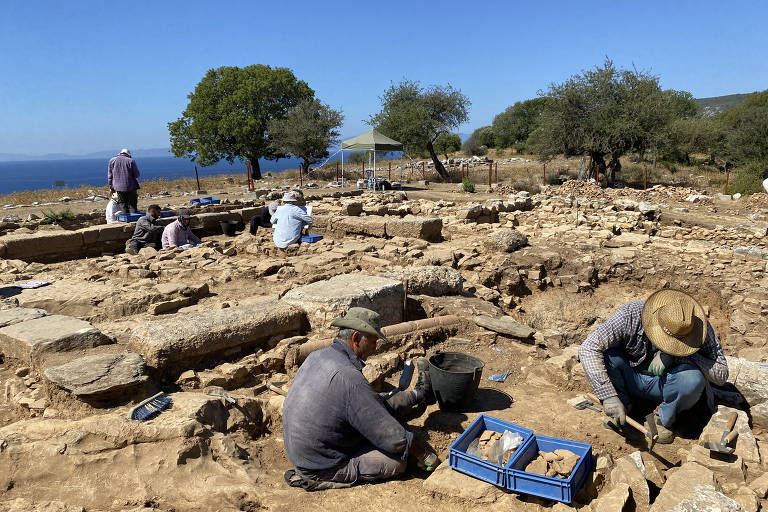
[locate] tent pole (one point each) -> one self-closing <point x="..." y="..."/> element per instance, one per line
<point x="342" y="168"/>
<point x="374" y="167"/>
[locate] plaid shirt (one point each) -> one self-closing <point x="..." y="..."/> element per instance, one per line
<point x="625" y="330"/>
<point x="123" y="174"/>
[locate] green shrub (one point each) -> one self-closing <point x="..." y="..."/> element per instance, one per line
<point x="52" y="217"/>
<point x="749" y="179"/>
<point x="467" y="185"/>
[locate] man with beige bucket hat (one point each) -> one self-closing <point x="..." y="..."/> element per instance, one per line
<point x="337" y="430"/>
<point x="661" y="349"/>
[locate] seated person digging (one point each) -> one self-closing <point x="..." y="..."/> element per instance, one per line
<point x="337" y="429"/>
<point x="147" y="232"/>
<point x="289" y="221"/>
<point x="178" y="232"/>
<point x="663" y="350"/>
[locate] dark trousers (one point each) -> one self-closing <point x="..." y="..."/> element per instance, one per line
<point x="128" y="201"/>
<point x="264" y="220"/>
<point x="137" y="245"/>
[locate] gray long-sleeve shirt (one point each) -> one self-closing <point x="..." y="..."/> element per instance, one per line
<point x="147" y="230"/>
<point x="331" y="411"/>
<point x="625" y="330"/>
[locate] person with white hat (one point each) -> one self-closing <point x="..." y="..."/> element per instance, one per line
<point x="337" y="430"/>
<point x="289" y="221"/>
<point x="123" y="176"/>
<point x="663" y="350"/>
<point x="113" y="208"/>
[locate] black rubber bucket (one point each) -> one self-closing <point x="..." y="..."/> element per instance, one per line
<point x="455" y="377"/>
<point x="229" y="227"/>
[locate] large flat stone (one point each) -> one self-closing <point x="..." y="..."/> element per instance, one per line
<point x="632" y="473"/>
<point x="369" y="226"/>
<point x="16" y="315"/>
<point x="448" y="482"/>
<point x="612" y="501"/>
<point x="436" y="281"/>
<point x="99" y="376"/>
<point x="505" y="325"/>
<point x="705" y="498"/>
<point x="56" y="333"/>
<point x="746" y="444"/>
<point x="680" y="483"/>
<point x="727" y="469"/>
<point x="429" y="229"/>
<point x="72" y="297"/>
<point x="325" y="300"/>
<point x="45" y="246"/>
<point x="186" y="340"/>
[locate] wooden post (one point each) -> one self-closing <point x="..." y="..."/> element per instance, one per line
<point x="544" y="174"/>
<point x="727" y="179"/>
<point x="337" y="170"/>
<point x="301" y="179"/>
<point x="645" y="178"/>
<point x="496" y="172"/>
<point x="390" y="170"/>
<point x="362" y="170"/>
<point x="490" y="175"/>
<point x="423" y="172"/>
<point x="248" y="173"/>
<point x="197" y="178"/>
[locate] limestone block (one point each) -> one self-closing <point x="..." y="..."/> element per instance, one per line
<point x="760" y="486"/>
<point x="100" y="375"/>
<point x="352" y="208"/>
<point x="705" y="498"/>
<point x="728" y="469"/>
<point x="507" y="240"/>
<point x="505" y="325"/>
<point x="448" y="482"/>
<point x="43" y="246"/>
<point x="429" y="229"/>
<point x="55" y="333"/>
<point x="430" y="280"/>
<point x="746" y="444"/>
<point x="325" y="300"/>
<point x="187" y="339"/>
<point x="627" y="472"/>
<point x="16" y="315"/>
<point x="680" y="483"/>
<point x="612" y="501"/>
<point x="369" y="226"/>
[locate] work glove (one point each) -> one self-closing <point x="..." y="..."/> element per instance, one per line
<point x="615" y="409"/>
<point x="660" y="363"/>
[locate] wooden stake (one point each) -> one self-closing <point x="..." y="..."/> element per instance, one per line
<point x="337" y="170"/>
<point x="390" y="171"/>
<point x="248" y="173"/>
<point x="423" y="173"/>
<point x="727" y="179"/>
<point x="490" y="175"/>
<point x="544" y="174"/>
<point x="645" y="178"/>
<point x="197" y="178"/>
<point x="496" y="172"/>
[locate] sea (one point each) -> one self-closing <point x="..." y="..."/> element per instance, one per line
<point x="42" y="174"/>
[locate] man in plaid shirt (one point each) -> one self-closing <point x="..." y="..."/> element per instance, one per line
<point x="663" y="350"/>
<point x="123" y="176"/>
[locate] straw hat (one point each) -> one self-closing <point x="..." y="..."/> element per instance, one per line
<point x="674" y="322"/>
<point x="362" y="320"/>
<point x="290" y="197"/>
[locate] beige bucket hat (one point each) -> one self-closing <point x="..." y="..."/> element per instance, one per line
<point x="674" y="322"/>
<point x="363" y="320"/>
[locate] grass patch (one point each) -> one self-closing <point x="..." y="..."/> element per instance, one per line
<point x="467" y="185"/>
<point x="52" y="217"/>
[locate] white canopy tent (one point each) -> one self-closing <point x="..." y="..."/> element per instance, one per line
<point x="369" y="141"/>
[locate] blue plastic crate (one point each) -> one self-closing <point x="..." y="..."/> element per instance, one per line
<point x="129" y="217"/>
<point x="460" y="460"/>
<point x="310" y="239"/>
<point x="559" y="489"/>
<point x="205" y="200"/>
<point x="163" y="215"/>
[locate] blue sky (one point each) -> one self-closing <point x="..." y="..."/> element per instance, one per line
<point x="84" y="76"/>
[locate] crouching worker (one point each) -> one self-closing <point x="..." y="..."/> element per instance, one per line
<point x="147" y="232"/>
<point x="662" y="350"/>
<point x="337" y="430"/>
<point x="178" y="233"/>
<point x="289" y="221"/>
<point x="265" y="219"/>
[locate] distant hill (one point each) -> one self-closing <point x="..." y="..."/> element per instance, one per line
<point x="710" y="107"/>
<point x="136" y="153"/>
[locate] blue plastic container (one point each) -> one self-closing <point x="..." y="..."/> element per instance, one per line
<point x="129" y="217"/>
<point x="460" y="460"/>
<point x="205" y="200"/>
<point x="310" y="239"/>
<point x="164" y="215"/>
<point x="558" y="489"/>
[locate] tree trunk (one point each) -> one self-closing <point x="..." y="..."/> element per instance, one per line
<point x="255" y="169"/>
<point x="304" y="168"/>
<point x="438" y="164"/>
<point x="596" y="166"/>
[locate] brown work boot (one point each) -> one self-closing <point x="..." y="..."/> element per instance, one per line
<point x="666" y="436"/>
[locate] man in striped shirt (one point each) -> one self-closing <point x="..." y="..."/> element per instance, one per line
<point x="662" y="349"/>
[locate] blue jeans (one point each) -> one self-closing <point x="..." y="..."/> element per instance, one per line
<point x="677" y="390"/>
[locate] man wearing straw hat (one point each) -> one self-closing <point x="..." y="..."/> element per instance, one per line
<point x="663" y="350"/>
<point x="337" y="430"/>
<point x="289" y="221"/>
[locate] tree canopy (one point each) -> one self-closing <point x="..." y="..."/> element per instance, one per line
<point x="417" y="116"/>
<point x="607" y="112"/>
<point x="307" y="132"/>
<point x="447" y="143"/>
<point x="513" y="126"/>
<point x="229" y="113"/>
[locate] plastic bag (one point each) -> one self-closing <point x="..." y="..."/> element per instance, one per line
<point x="474" y="448"/>
<point x="509" y="441"/>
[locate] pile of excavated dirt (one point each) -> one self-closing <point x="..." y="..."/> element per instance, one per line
<point x="237" y="314"/>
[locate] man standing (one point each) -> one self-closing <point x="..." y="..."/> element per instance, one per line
<point x="662" y="349"/>
<point x="178" y="233"/>
<point x="123" y="175"/>
<point x="289" y="221"/>
<point x="147" y="232"/>
<point x="337" y="429"/>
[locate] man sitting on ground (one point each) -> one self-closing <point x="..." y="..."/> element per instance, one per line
<point x="178" y="233"/>
<point x="147" y="232"/>
<point x="663" y="350"/>
<point x="337" y="430"/>
<point x="265" y="219"/>
<point x="289" y="221"/>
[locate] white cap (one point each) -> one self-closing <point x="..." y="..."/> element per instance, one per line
<point x="125" y="151"/>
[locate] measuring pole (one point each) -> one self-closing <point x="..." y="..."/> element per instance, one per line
<point x="197" y="178"/>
